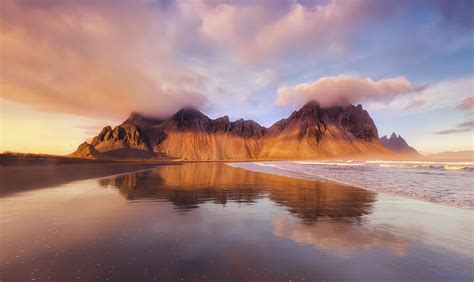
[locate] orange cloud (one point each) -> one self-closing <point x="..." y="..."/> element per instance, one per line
<point x="92" y="60"/>
<point x="466" y="104"/>
<point x="344" y="89"/>
<point x="415" y="104"/>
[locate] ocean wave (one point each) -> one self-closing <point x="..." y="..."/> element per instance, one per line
<point x="329" y="163"/>
<point x="452" y="166"/>
<point x="464" y="168"/>
<point x="263" y="164"/>
<point x="438" y="182"/>
<point x="435" y="167"/>
<point x="419" y="162"/>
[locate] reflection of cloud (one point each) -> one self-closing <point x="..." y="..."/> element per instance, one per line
<point x="339" y="237"/>
<point x="343" y="89"/>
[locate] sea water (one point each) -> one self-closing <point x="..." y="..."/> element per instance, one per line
<point x="444" y="182"/>
<point x="213" y="222"/>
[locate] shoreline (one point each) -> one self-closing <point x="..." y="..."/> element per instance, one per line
<point x="22" y="178"/>
<point x="13" y="158"/>
<point x="34" y="173"/>
<point x="383" y="193"/>
<point x="205" y="212"/>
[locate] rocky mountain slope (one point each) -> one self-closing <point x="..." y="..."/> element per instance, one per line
<point x="312" y="132"/>
<point x="397" y="144"/>
<point x="315" y="132"/>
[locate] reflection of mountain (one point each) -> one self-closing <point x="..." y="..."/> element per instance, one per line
<point x="175" y="184"/>
<point x="188" y="186"/>
<point x="339" y="237"/>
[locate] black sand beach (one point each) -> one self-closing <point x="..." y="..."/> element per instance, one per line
<point x="209" y="221"/>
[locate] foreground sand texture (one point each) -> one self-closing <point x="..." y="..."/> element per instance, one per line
<point x="311" y="132"/>
<point x="209" y="221"/>
<point x="18" y="178"/>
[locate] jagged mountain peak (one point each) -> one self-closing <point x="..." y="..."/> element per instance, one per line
<point x="314" y="108"/>
<point x="310" y="132"/>
<point x="188" y="113"/>
<point x="353" y="119"/>
<point x="142" y="121"/>
<point x="188" y="118"/>
<point x="310" y="105"/>
<point x="397" y="144"/>
<point x="394" y="136"/>
<point x="224" y="119"/>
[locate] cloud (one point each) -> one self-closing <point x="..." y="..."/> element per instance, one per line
<point x="267" y="77"/>
<point x="466" y="104"/>
<point x="344" y="89"/>
<point x="93" y="59"/>
<point x="466" y="126"/>
<point x="445" y="94"/>
<point x="415" y="104"/>
<point x="260" y="31"/>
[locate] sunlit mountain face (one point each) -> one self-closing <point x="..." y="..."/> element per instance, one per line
<point x="311" y="132"/>
<point x="71" y="67"/>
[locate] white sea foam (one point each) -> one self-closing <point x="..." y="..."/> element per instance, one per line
<point x="445" y="182"/>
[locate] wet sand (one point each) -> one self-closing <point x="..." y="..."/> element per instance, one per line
<point x="209" y="221"/>
<point x="33" y="174"/>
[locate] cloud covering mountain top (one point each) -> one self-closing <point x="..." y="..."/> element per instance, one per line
<point x="345" y="89"/>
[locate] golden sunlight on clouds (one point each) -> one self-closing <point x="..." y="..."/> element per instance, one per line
<point x="91" y="60"/>
<point x="343" y="89"/>
<point x="104" y="59"/>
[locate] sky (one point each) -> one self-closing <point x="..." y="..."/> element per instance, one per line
<point x="69" y="68"/>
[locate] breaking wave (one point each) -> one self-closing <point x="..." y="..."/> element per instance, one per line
<point x="468" y="166"/>
<point x="448" y="182"/>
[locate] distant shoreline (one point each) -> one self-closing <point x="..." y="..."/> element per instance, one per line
<point x="13" y="158"/>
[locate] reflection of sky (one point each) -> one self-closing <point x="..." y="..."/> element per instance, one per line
<point x="92" y="224"/>
<point x="339" y="238"/>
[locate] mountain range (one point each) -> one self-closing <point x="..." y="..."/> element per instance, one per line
<point x="309" y="133"/>
<point x="397" y="144"/>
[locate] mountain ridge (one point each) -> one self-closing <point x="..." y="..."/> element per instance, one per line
<point x="397" y="144"/>
<point x="310" y="132"/>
